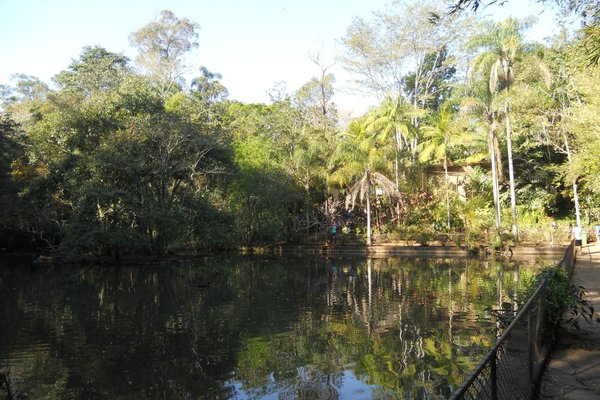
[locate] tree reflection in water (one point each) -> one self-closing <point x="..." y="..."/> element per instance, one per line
<point x="250" y="327"/>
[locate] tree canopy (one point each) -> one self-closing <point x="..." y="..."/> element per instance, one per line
<point x="476" y="127"/>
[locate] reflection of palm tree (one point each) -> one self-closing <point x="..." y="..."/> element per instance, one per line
<point x="370" y="283"/>
<point x="450" y="305"/>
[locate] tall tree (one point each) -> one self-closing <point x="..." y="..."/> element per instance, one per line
<point x="485" y="107"/>
<point x="581" y="121"/>
<point x="315" y="98"/>
<point x="208" y="86"/>
<point x="383" y="52"/>
<point x="23" y="99"/>
<point x="27" y="87"/>
<point x="546" y="91"/>
<point x="436" y="83"/>
<point x="438" y="141"/>
<point x="11" y="180"/>
<point x="96" y="69"/>
<point x="392" y="122"/>
<point x="586" y="10"/>
<point x="356" y="165"/>
<point x="318" y="119"/>
<point x="162" y="47"/>
<point x="274" y="152"/>
<point x="502" y="42"/>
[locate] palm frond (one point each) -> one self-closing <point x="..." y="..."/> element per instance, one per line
<point x="384" y="183"/>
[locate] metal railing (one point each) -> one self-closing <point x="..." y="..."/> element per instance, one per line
<point x="513" y="367"/>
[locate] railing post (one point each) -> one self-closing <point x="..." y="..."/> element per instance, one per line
<point x="494" y="374"/>
<point x="530" y="337"/>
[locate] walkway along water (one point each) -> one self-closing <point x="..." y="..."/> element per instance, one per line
<point x="573" y="371"/>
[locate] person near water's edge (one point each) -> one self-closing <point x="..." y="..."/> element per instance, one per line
<point x="333" y="232"/>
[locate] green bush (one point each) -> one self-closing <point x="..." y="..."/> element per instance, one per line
<point x="424" y="236"/>
<point x="473" y="239"/>
<point x="562" y="299"/>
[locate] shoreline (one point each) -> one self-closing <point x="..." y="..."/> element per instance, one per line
<point x="351" y="250"/>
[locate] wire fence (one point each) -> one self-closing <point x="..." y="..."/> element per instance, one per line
<point x="513" y="367"/>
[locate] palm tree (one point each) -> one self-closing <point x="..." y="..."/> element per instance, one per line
<point x="502" y="42"/>
<point x="309" y="168"/>
<point x="485" y="107"/>
<point x="356" y="164"/>
<point x="447" y="133"/>
<point x="393" y="120"/>
<point x="361" y="190"/>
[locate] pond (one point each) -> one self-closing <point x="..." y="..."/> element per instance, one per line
<point x="250" y="327"/>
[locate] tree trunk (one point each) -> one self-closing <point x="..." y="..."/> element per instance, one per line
<point x="450" y="306"/>
<point x="399" y="148"/>
<point x="511" y="172"/>
<point x="396" y="167"/>
<point x="494" y="177"/>
<point x="447" y="194"/>
<point x="370" y="312"/>
<point x="575" y="192"/>
<point x="498" y="155"/>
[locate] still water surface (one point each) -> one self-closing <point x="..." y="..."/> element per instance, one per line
<point x="250" y="328"/>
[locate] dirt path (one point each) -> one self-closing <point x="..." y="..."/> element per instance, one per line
<point x="574" y="368"/>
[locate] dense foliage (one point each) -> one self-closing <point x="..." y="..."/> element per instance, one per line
<point x="484" y="132"/>
<point x="563" y="300"/>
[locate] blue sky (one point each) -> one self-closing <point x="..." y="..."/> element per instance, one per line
<point x="253" y="44"/>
